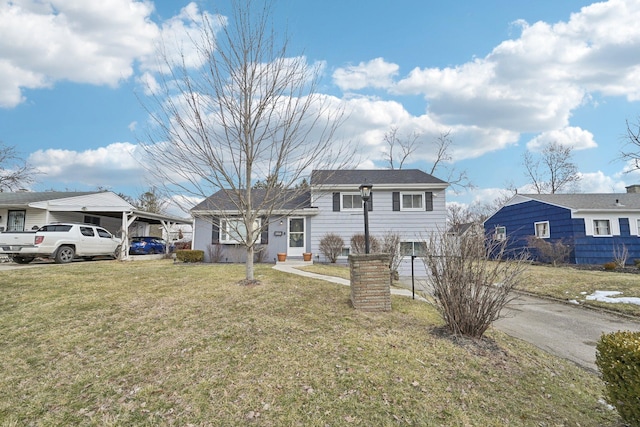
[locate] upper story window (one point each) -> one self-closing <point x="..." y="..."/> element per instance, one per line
<point x="412" y="201"/>
<point x="542" y="229"/>
<point x="601" y="227"/>
<point x="351" y="201"/>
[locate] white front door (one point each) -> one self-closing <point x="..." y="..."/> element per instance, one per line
<point x="296" y="237"/>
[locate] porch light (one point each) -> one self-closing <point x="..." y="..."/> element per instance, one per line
<point x="365" y="194"/>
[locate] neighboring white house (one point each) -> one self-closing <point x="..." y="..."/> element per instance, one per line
<point x="25" y="210"/>
<point x="408" y="202"/>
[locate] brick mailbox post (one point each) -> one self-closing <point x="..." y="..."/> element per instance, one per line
<point x="370" y="282"/>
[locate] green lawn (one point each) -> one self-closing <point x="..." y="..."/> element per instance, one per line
<point x="156" y="343"/>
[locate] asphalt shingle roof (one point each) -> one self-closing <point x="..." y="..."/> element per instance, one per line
<point x="373" y="176"/>
<point x="605" y="201"/>
<point x="22" y="198"/>
<point x="284" y="199"/>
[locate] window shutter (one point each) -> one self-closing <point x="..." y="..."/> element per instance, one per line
<point x="428" y="201"/>
<point x="396" y="200"/>
<point x="264" y="235"/>
<point x="370" y="202"/>
<point x="215" y="231"/>
<point x="336" y="202"/>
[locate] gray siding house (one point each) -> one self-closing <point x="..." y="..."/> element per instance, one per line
<point x="408" y="202"/>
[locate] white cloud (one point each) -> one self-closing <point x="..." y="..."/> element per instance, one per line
<point x="82" y="41"/>
<point x="375" y="73"/>
<point x="599" y="182"/>
<point x="115" y="164"/>
<point x="574" y="137"/>
<point x="533" y="82"/>
<point x="176" y="41"/>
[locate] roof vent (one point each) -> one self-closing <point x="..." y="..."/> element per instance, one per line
<point x="618" y="203"/>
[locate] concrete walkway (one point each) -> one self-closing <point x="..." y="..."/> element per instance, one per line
<point x="562" y="329"/>
<point x="292" y="267"/>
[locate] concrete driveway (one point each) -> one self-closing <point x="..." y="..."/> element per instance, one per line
<point x="565" y="330"/>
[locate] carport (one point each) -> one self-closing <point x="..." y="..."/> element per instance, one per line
<point x="25" y="210"/>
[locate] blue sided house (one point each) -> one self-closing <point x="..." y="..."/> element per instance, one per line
<point x="596" y="226"/>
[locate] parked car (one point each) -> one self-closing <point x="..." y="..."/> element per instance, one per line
<point x="61" y="242"/>
<point x="146" y="245"/>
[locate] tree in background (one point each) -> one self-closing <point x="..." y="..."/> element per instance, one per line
<point x="632" y="139"/>
<point x="15" y="173"/>
<point x="552" y="171"/>
<point x="151" y="201"/>
<point x="249" y="113"/>
<point x="401" y="147"/>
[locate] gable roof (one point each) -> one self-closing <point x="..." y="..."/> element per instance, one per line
<point x="23" y="198"/>
<point x="373" y="176"/>
<point x="227" y="200"/>
<point x="585" y="201"/>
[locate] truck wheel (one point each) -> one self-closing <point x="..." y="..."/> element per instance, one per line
<point x="116" y="253"/>
<point x="64" y="255"/>
<point x="22" y="260"/>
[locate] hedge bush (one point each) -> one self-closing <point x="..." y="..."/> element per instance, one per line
<point x="618" y="358"/>
<point x="188" y="255"/>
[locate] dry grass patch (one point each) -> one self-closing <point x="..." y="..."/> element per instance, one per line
<point x="569" y="283"/>
<point x="153" y="343"/>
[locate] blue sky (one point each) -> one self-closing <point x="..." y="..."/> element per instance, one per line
<point x="502" y="76"/>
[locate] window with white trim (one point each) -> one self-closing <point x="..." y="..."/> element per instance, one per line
<point x="351" y="201"/>
<point x="542" y="229"/>
<point x="601" y="227"/>
<point x="637" y="227"/>
<point x="500" y="233"/>
<point x="413" y="248"/>
<point x="412" y="201"/>
<point x="233" y="231"/>
<point x="345" y="252"/>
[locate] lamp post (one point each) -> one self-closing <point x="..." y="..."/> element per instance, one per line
<point x="365" y="193"/>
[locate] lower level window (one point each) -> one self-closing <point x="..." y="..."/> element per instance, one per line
<point x="501" y="233"/>
<point x="234" y="230"/>
<point x="412" y="248"/>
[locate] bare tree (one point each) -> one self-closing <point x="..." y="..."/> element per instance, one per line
<point x="406" y="145"/>
<point x="400" y="149"/>
<point x="151" y="201"/>
<point x="552" y="171"/>
<point x="632" y="139"/>
<point x="14" y="171"/>
<point x="249" y="113"/>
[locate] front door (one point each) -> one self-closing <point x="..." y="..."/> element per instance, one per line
<point x="296" y="237"/>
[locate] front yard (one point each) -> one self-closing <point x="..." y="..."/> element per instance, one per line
<point x="152" y="343"/>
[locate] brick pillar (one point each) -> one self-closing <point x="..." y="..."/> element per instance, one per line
<point x="370" y="278"/>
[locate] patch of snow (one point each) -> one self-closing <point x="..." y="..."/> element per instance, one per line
<point x="606" y="296"/>
<point x="605" y="404"/>
<point x="572" y="301"/>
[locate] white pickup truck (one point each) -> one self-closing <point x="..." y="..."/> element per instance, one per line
<point x="61" y="242"/>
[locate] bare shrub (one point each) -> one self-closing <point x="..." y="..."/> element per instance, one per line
<point x="358" y="244"/>
<point x="391" y="246"/>
<point x="620" y="255"/>
<point x="555" y="253"/>
<point x="470" y="290"/>
<point x="331" y="246"/>
<point x="215" y="252"/>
